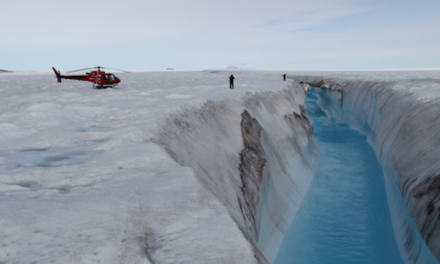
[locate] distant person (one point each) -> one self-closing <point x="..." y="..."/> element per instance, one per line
<point x="284" y="77"/>
<point x="231" y="82"/>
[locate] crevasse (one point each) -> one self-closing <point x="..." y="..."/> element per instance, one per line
<point x="400" y="119"/>
<point x="244" y="150"/>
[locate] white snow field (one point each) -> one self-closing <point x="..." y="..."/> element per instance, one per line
<point x="86" y="176"/>
<point x="174" y="167"/>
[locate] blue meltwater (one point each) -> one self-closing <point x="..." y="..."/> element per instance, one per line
<point x="344" y="217"/>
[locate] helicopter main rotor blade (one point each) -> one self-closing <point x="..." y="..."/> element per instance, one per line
<point x="115" y="69"/>
<point x="81" y="69"/>
<point x="98" y="67"/>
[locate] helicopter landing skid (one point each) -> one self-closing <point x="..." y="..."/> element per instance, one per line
<point x="98" y="86"/>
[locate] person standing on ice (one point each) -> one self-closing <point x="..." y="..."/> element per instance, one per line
<point x="284" y="77"/>
<point x="231" y="82"/>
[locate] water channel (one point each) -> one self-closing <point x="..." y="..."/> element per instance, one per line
<point x="344" y="217"/>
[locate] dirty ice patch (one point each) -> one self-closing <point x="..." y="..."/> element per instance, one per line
<point x="44" y="157"/>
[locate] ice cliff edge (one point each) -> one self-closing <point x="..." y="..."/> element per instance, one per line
<point x="254" y="154"/>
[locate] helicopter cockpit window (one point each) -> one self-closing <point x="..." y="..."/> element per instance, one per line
<point x="114" y="77"/>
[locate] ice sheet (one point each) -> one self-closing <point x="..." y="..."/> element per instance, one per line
<point x="83" y="179"/>
<point x="110" y="191"/>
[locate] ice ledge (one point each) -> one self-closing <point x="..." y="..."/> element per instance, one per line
<point x="253" y="154"/>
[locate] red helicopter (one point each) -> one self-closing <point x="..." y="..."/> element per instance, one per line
<point x="99" y="78"/>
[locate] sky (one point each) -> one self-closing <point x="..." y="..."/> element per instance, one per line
<point x="200" y="34"/>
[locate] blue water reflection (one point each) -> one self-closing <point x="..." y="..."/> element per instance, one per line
<point x="344" y="217"/>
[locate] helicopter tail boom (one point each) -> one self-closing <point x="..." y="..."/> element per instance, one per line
<point x="57" y="74"/>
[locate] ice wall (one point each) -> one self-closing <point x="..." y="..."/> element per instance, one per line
<point x="402" y="121"/>
<point x="254" y="153"/>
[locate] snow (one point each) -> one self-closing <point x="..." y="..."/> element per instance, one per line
<point x="84" y="178"/>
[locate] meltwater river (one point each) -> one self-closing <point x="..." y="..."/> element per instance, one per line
<point x="344" y="217"/>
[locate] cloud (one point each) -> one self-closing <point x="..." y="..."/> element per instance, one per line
<point x="53" y="22"/>
<point x="208" y="34"/>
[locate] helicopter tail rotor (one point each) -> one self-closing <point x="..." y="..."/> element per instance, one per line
<point x="58" y="74"/>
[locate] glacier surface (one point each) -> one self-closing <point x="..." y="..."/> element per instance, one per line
<point x="173" y="167"/>
<point x="149" y="172"/>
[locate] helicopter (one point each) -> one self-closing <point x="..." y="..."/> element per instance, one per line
<point x="99" y="78"/>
